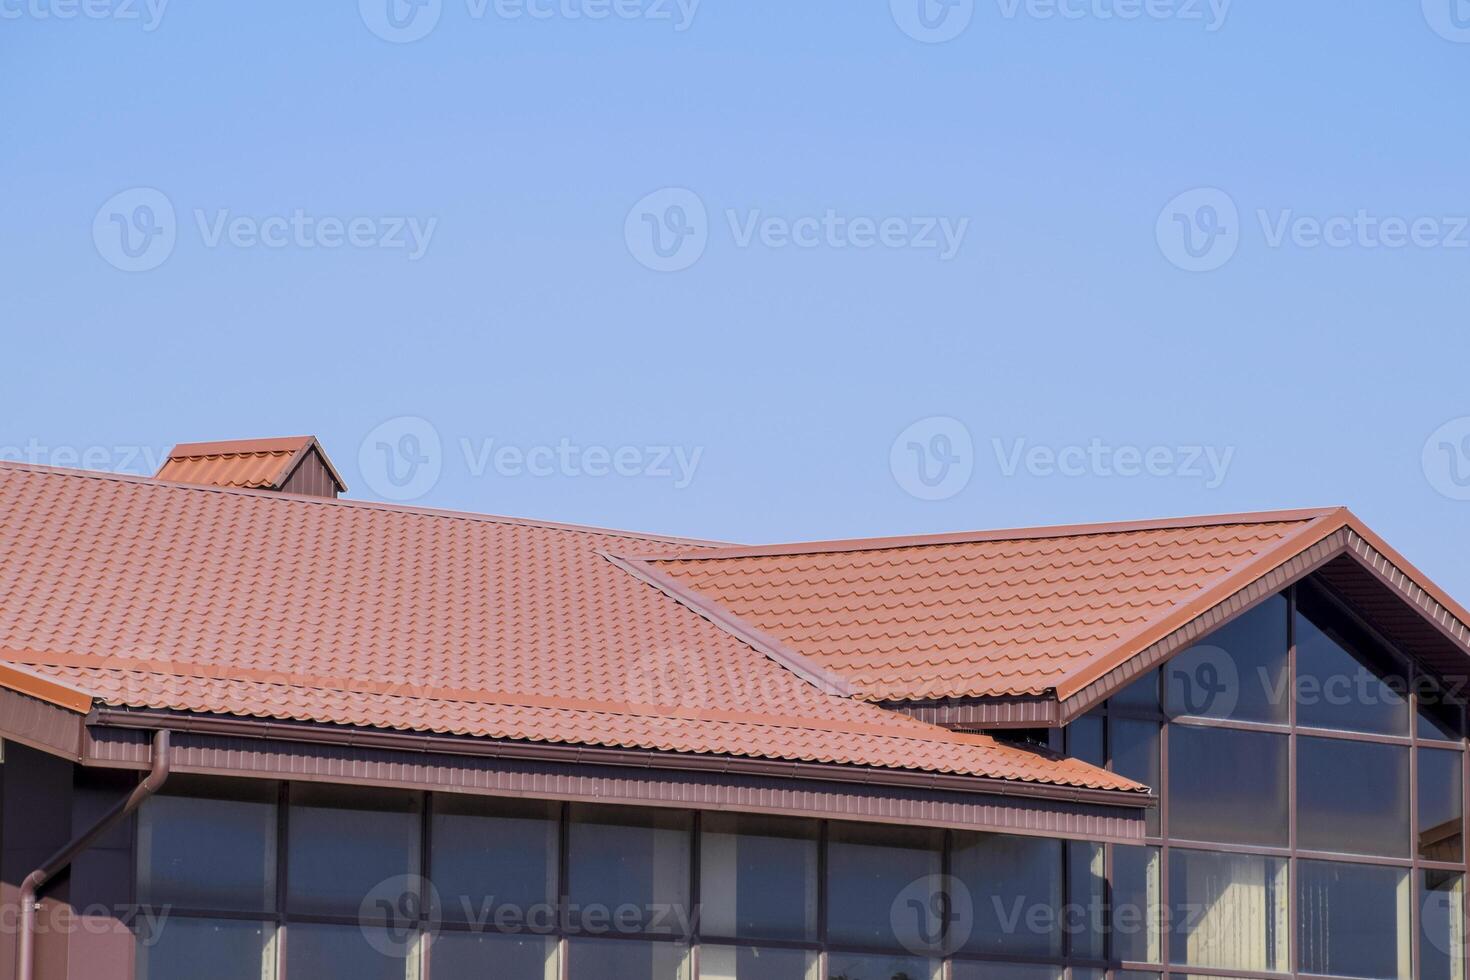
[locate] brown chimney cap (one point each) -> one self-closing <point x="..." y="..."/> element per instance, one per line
<point x="254" y="464"/>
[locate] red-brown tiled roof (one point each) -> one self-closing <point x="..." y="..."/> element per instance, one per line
<point x="1001" y="613"/>
<point x="144" y="593"/>
<point x="251" y="464"/>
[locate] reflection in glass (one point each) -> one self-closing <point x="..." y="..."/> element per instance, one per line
<point x="621" y="959"/>
<point x="495" y="858"/>
<point x="1230" y="910"/>
<point x="1136" y="904"/>
<point x="492" y="956"/>
<point x="1085" y="920"/>
<point x="1353" y="920"/>
<point x="854" y="966"/>
<point x="1085" y="740"/>
<point x="750" y="963"/>
<point x="1228" y="787"/>
<point x="759" y="877"/>
<point x="869" y="869"/>
<point x="323" y="952"/>
<point x="1441" y="926"/>
<point x="234" y="950"/>
<point x="1015" y="886"/>
<point x="346" y="842"/>
<point x="1005" y="971"/>
<point x="1352" y="797"/>
<point x="1135" y="748"/>
<point x="1142" y="695"/>
<point x="631" y="862"/>
<point x="1346" y="680"/>
<point x="1236" y="672"/>
<point x="1441" y="806"/>
<point x="209" y="844"/>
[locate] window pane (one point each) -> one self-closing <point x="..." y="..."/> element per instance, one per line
<point x="348" y="843"/>
<point x="1135" y="748"/>
<point x="1441" y="806"/>
<point x="1136" y="904"/>
<point x="323" y="952"/>
<point x="1085" y="919"/>
<point x="495" y="860"/>
<point x="1015" y="886"/>
<point x="629" y="870"/>
<point x="622" y="959"/>
<point x="233" y="950"/>
<point x="209" y="844"/>
<point x="1230" y="911"/>
<point x="747" y="963"/>
<point x="1085" y="740"/>
<point x="1345" y="679"/>
<point x="870" y="870"/>
<point x="1439" y="714"/>
<point x="1353" y="920"/>
<point x="1227" y="786"/>
<point x="1352" y="797"/>
<point x="1141" y="695"/>
<point x="1442" y="926"/>
<point x="758" y="877"/>
<point x="488" y="956"/>
<point x="1005" y="971"/>
<point x="1238" y="671"/>
<point x="852" y="966"/>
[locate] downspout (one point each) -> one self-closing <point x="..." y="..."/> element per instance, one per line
<point x="36" y="880"/>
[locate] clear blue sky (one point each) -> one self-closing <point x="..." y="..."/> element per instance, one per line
<point x="1050" y="146"/>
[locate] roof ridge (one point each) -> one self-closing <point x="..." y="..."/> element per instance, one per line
<point x="1042" y="532"/>
<point x="307" y="499"/>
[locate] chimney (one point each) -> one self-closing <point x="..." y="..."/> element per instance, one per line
<point x="292" y="465"/>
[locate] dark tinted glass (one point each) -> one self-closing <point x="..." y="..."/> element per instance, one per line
<point x="1005" y="971"/>
<point x="1135" y="749"/>
<point x="1345" y="679"/>
<point x="1439" y="715"/>
<point x="1228" y="787"/>
<point x="494" y="858"/>
<point x="1352" y="797"/>
<point x="1015" y="884"/>
<point x="631" y="862"/>
<point x="854" y="966"/>
<point x="1136" y="904"/>
<point x="871" y="869"/>
<point x="1441" y="806"/>
<point x="1085" y="740"/>
<point x="758" y="877"/>
<point x="233" y="950"/>
<point x="1352" y="920"/>
<point x="1230" y="910"/>
<point x="323" y="952"/>
<point x="752" y="963"/>
<point x="209" y="844"/>
<point x="621" y="959"/>
<point x="1084" y="921"/>
<point x="1441" y="926"/>
<point x="349" y="845"/>
<point x="488" y="956"/>
<point x="1141" y="695"/>
<point x="1237" y="672"/>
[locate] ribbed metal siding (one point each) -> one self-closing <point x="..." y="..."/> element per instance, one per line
<point x="40" y="725"/>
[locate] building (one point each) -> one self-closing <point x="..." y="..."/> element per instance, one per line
<point x="253" y="731"/>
